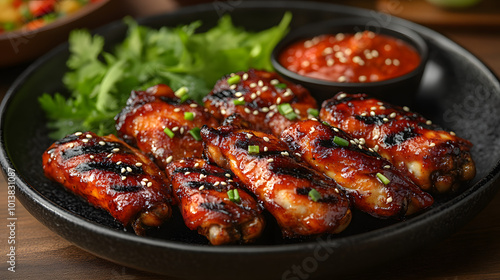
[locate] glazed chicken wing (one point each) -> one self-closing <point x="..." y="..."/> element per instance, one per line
<point x="113" y="176"/>
<point x="436" y="160"/>
<point x="212" y="201"/>
<point x="160" y="124"/>
<point x="373" y="184"/>
<point x="256" y="96"/>
<point x="303" y="201"/>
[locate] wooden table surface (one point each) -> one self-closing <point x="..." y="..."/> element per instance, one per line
<point x="471" y="253"/>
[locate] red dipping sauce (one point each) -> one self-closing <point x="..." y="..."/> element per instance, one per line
<point x="351" y="58"/>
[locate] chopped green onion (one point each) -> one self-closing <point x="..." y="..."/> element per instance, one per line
<point x="195" y="132"/>
<point x="314" y="195"/>
<point x="181" y="92"/>
<point x="184" y="98"/>
<point x="383" y="179"/>
<point x="234" y="79"/>
<point x="340" y="141"/>
<point x="281" y="85"/>
<point x="313" y="112"/>
<point x="286" y="110"/>
<point x="238" y="102"/>
<point x="233" y="195"/>
<point x="253" y="149"/>
<point x="189" y="116"/>
<point x="291" y="116"/>
<point x="325" y="123"/>
<point x="169" y="132"/>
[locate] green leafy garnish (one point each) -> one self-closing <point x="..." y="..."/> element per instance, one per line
<point x="234" y="195"/>
<point x="382" y="178"/>
<point x="169" y="132"/>
<point x="195" y="132"/>
<point x="314" y="195"/>
<point x="99" y="81"/>
<point x="253" y="149"/>
<point x="340" y="141"/>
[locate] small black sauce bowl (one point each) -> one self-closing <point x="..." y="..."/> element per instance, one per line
<point x="399" y="90"/>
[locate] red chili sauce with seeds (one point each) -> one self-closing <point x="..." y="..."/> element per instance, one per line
<point x="361" y="57"/>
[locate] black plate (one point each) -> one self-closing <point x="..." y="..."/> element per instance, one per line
<point x="458" y="92"/>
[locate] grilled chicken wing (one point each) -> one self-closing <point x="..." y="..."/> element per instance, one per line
<point x="212" y="201"/>
<point x="256" y="95"/>
<point x="303" y="201"/>
<point x="361" y="172"/>
<point x="113" y="176"/>
<point x="151" y="114"/>
<point x="436" y="160"/>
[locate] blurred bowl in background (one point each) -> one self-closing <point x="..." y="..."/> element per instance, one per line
<point x="400" y="89"/>
<point x="22" y="46"/>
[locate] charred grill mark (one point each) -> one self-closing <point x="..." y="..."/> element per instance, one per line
<point x="67" y="139"/>
<point x="218" y="207"/>
<point x="303" y="191"/>
<point x="200" y="171"/>
<point x="169" y="100"/>
<point x="223" y="94"/>
<point x="122" y="169"/>
<point x="331" y="145"/>
<point x="400" y="137"/>
<point x="118" y="188"/>
<point x="295" y="170"/>
<point x="324" y="199"/>
<point x="94" y="149"/>
<point x="336" y="101"/>
<point x="205" y="185"/>
<point x="376" y="120"/>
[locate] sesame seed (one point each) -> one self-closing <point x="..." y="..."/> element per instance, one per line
<point x="339" y="54"/>
<point x="308" y="44"/>
<point x="245" y="76"/>
<point x="373" y="108"/>
<point x="249" y="135"/>
<point x="387" y="166"/>
<point x="330" y="62"/>
<point x="270" y="160"/>
<point x="88" y="136"/>
<point x="71" y="145"/>
<point x="362" y="78"/>
<point x="275" y="82"/>
<point x="342" y="59"/>
<point x="389" y="199"/>
<point x="371" y="150"/>
<point x="348" y="51"/>
<point x="138" y="164"/>
<point x="232" y="86"/>
<point x="395" y="62"/>
<point x="362" y="141"/>
<point x="374" y="53"/>
<point x="372" y="113"/>
<point x="252" y="85"/>
<point x="241" y="98"/>
<point x="187" y="173"/>
<point x="388" y="61"/>
<point x="122" y="170"/>
<point x="375" y="148"/>
<point x="265" y="109"/>
<point x="223" y="183"/>
<point x="216" y="183"/>
<point x="181" y="130"/>
<point x="91" y="156"/>
<point x="78" y="133"/>
<point x="193" y="105"/>
<point x="364" y="114"/>
<point x="228" y="175"/>
<point x="143" y="183"/>
<point x="342" y="79"/>
<point x="272" y="107"/>
<point x="247" y="110"/>
<point x="406" y="109"/>
<point x="392" y="115"/>
<point x="177" y="110"/>
<point x="124" y="178"/>
<point x="182" y="161"/>
<point x="129" y="169"/>
<point x="150" y="184"/>
<point x="230" y="181"/>
<point x="265" y="88"/>
<point x="256" y="112"/>
<point x="278" y="100"/>
<point x="266" y="149"/>
<point x="314" y="119"/>
<point x="175" y="128"/>
<point x="336" y="129"/>
<point x="382" y="108"/>
<point x="115" y="150"/>
<point x="380" y="103"/>
<point x="196" y="165"/>
<point x="85" y="140"/>
<point x="358" y="35"/>
<point x="352" y="142"/>
<point x="201" y="188"/>
<point x="266" y="138"/>
<point x="428" y="122"/>
<point x="336" y="190"/>
<point x="203" y="176"/>
<point x="285" y="153"/>
<point x="339" y="36"/>
<point x="432" y="144"/>
<point x="238" y="94"/>
<point x="145" y="179"/>
<point x="253" y="96"/>
<point x="327" y="51"/>
<point x="385" y="119"/>
<point x="109" y="155"/>
<point x="360" y="147"/>
<point x="452" y="133"/>
<point x="270" y="114"/>
<point x="336" y="48"/>
<point x="260" y="83"/>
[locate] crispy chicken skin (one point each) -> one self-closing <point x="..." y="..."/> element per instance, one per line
<point x="113" y="176"/>
<point x="303" y="201"/>
<point x="355" y="168"/>
<point x="435" y="159"/>
<point x="143" y="121"/>
<point x="202" y="189"/>
<point x="261" y="92"/>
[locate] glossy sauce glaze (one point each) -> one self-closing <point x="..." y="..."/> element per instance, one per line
<point x="352" y="58"/>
